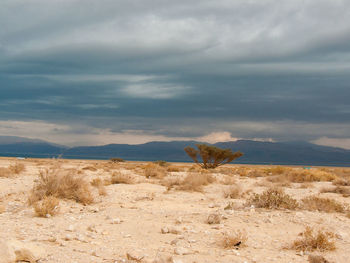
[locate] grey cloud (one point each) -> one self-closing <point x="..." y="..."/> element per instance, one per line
<point x="175" y="68"/>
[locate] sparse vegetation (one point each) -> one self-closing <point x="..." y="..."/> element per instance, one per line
<point x="161" y="163"/>
<point x="211" y="156"/>
<point x="153" y="170"/>
<point x="4" y="172"/>
<point x="117" y="160"/>
<point x="60" y="184"/>
<point x="234" y="239"/>
<point x="48" y="206"/>
<point x="232" y="191"/>
<point x="195" y="182"/>
<point x="100" y="185"/>
<point x="11" y="170"/>
<point x="121" y="178"/>
<point x="314" y="203"/>
<point x="312" y="240"/>
<point x="343" y="190"/>
<point x="273" y="198"/>
<point x="341" y="182"/>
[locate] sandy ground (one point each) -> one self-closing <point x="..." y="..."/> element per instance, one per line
<point x="130" y="217"/>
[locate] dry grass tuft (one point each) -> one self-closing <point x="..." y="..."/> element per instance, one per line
<point x="314" y="203"/>
<point x="61" y="184"/>
<point x="100" y="185"/>
<point x="317" y="259"/>
<point x="273" y="198"/>
<point x="341" y="182"/>
<point x="195" y="182"/>
<point x="49" y="205"/>
<point x="120" y="178"/>
<point x="171" y="182"/>
<point x="312" y="240"/>
<point x="228" y="180"/>
<point x="155" y="171"/>
<point x="173" y="168"/>
<point x="17" y="168"/>
<point x="234" y="239"/>
<point x="343" y="190"/>
<point x="276" y="170"/>
<point x="301" y="176"/>
<point x="233" y="192"/>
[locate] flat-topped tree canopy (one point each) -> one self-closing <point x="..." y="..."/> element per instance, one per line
<point x="211" y="156"/>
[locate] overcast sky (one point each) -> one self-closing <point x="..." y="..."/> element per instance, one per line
<point x="110" y="71"/>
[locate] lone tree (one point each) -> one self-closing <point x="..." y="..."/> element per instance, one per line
<point x="211" y="156"/>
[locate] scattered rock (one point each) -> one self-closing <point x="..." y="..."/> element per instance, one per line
<point x="116" y="221"/>
<point x="182" y="251"/>
<point x="214" y="219"/>
<point x="133" y="255"/>
<point x="25" y="251"/>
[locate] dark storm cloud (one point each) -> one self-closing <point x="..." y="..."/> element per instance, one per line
<point x="264" y="69"/>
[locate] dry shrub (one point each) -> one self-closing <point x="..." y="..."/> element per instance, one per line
<point x="195" y="182"/>
<point x="314" y="203"/>
<point x="233" y="192"/>
<point x="61" y="184"/>
<point x="49" y="205"/>
<point x="228" y="180"/>
<point x="225" y="170"/>
<point x="155" y="171"/>
<point x="100" y="185"/>
<point x="341" y="182"/>
<point x="120" y="178"/>
<point x="276" y="170"/>
<point x="300" y="176"/>
<point x="171" y="182"/>
<point x="173" y="168"/>
<point x="242" y="171"/>
<point x="317" y="259"/>
<point x="254" y="173"/>
<point x="312" y="240"/>
<point x="345" y="191"/>
<point x="234" y="239"/>
<point x="4" y="172"/>
<point x="273" y="198"/>
<point x="17" y="168"/>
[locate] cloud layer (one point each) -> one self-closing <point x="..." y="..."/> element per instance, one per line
<point x="263" y="69"/>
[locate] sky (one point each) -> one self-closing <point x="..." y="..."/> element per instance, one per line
<point x="83" y="72"/>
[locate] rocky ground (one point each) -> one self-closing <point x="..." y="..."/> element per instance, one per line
<point x="142" y="221"/>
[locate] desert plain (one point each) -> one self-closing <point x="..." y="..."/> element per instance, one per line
<point x="172" y="212"/>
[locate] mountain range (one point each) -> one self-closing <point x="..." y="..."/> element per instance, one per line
<point x="255" y="152"/>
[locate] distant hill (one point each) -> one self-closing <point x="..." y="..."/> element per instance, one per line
<point x="255" y="152"/>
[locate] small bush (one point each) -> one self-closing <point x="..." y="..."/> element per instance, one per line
<point x="344" y="191"/>
<point x="233" y="192"/>
<point x="312" y="240"/>
<point x="17" y="168"/>
<point x="341" y="182"/>
<point x="273" y="198"/>
<point x="195" y="182"/>
<point x="171" y="182"/>
<point x="173" y="168"/>
<point x="120" y="178"/>
<point x="314" y="203"/>
<point x="61" y="184"/>
<point x="300" y="176"/>
<point x="49" y="205"/>
<point x="277" y="170"/>
<point x="161" y="163"/>
<point x="117" y="160"/>
<point x="100" y="185"/>
<point x="154" y="171"/>
<point x="234" y="239"/>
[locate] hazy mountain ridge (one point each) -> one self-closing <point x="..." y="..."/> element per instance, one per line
<point x="257" y="152"/>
